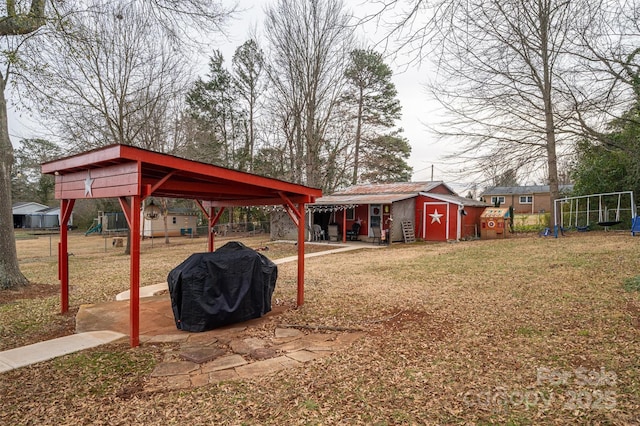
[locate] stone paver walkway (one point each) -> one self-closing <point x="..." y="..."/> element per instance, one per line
<point x="209" y="358"/>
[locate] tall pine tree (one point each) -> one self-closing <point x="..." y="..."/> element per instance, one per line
<point x="373" y="98"/>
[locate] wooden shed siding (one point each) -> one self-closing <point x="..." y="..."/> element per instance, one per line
<point x="441" y="189"/>
<point x="467" y="223"/>
<point x="471" y="222"/>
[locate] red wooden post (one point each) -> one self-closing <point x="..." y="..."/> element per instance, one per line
<point x="301" y="228"/>
<point x="134" y="301"/>
<point x="344" y="225"/>
<point x="63" y="253"/>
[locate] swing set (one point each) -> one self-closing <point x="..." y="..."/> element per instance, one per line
<point x="606" y="209"/>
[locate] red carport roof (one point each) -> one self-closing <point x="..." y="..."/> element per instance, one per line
<point x="122" y="170"/>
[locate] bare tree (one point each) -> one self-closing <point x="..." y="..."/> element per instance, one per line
<point x="110" y="80"/>
<point x="607" y="83"/>
<point x="308" y="43"/>
<point x="502" y="75"/>
<point x="19" y="21"/>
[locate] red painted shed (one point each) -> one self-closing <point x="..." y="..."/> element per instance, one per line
<point x="390" y="205"/>
<point x="131" y="174"/>
<point x="444" y="217"/>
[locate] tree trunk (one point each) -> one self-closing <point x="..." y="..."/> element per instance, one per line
<point x="165" y="213"/>
<point x="550" y="129"/>
<point x="10" y="275"/>
<point x="356" y="151"/>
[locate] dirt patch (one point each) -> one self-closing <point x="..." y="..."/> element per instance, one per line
<point x="400" y="319"/>
<point x="31" y="291"/>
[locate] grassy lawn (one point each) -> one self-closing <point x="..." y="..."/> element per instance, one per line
<point x="521" y="331"/>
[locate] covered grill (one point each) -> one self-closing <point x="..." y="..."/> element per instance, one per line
<point x="232" y="284"/>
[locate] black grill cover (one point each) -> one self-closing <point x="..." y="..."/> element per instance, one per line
<point x="232" y="284"/>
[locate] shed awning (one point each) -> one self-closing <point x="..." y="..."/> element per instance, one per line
<point x="358" y="199"/>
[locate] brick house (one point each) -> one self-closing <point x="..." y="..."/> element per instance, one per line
<point x="524" y="199"/>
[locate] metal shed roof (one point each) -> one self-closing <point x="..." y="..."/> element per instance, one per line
<point x="376" y="193"/>
<point x="456" y="199"/>
<point x="391" y="188"/>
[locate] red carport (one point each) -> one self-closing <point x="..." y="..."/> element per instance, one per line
<point x="132" y="174"/>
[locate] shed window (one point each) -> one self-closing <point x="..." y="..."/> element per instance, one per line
<point x="495" y="200"/>
<point x="351" y="214"/>
<point x="174" y="220"/>
<point x="526" y="199"/>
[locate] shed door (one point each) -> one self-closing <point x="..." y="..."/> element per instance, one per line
<point x="375" y="215"/>
<point x="436" y="221"/>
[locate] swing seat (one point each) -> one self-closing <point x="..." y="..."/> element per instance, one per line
<point x="582" y="228"/>
<point x="610" y="223"/>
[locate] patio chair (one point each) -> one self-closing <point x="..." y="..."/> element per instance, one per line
<point x="318" y="233"/>
<point x="354" y="234"/>
<point x="333" y="233"/>
<point x="377" y="234"/>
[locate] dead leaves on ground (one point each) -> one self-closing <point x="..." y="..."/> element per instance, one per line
<point x="456" y="334"/>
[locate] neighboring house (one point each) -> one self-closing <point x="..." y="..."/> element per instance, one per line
<point x="433" y="209"/>
<point x="524" y="199"/>
<point x="32" y="215"/>
<point x="179" y="222"/>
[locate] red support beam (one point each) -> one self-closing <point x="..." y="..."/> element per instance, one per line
<point x="301" y="224"/>
<point x="344" y="225"/>
<point x="134" y="270"/>
<point x="297" y="216"/>
<point x="160" y="182"/>
<point x="66" y="206"/>
<point x="211" y="222"/>
<point x="126" y="209"/>
<point x="132" y="214"/>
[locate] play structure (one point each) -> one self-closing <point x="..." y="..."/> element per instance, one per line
<point x="108" y="223"/>
<point x="584" y="212"/>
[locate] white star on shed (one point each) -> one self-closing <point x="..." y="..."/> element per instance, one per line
<point x="435" y="216"/>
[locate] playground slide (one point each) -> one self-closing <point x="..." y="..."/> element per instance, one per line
<point x="96" y="228"/>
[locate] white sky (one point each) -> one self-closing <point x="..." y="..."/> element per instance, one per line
<point x="417" y="108"/>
